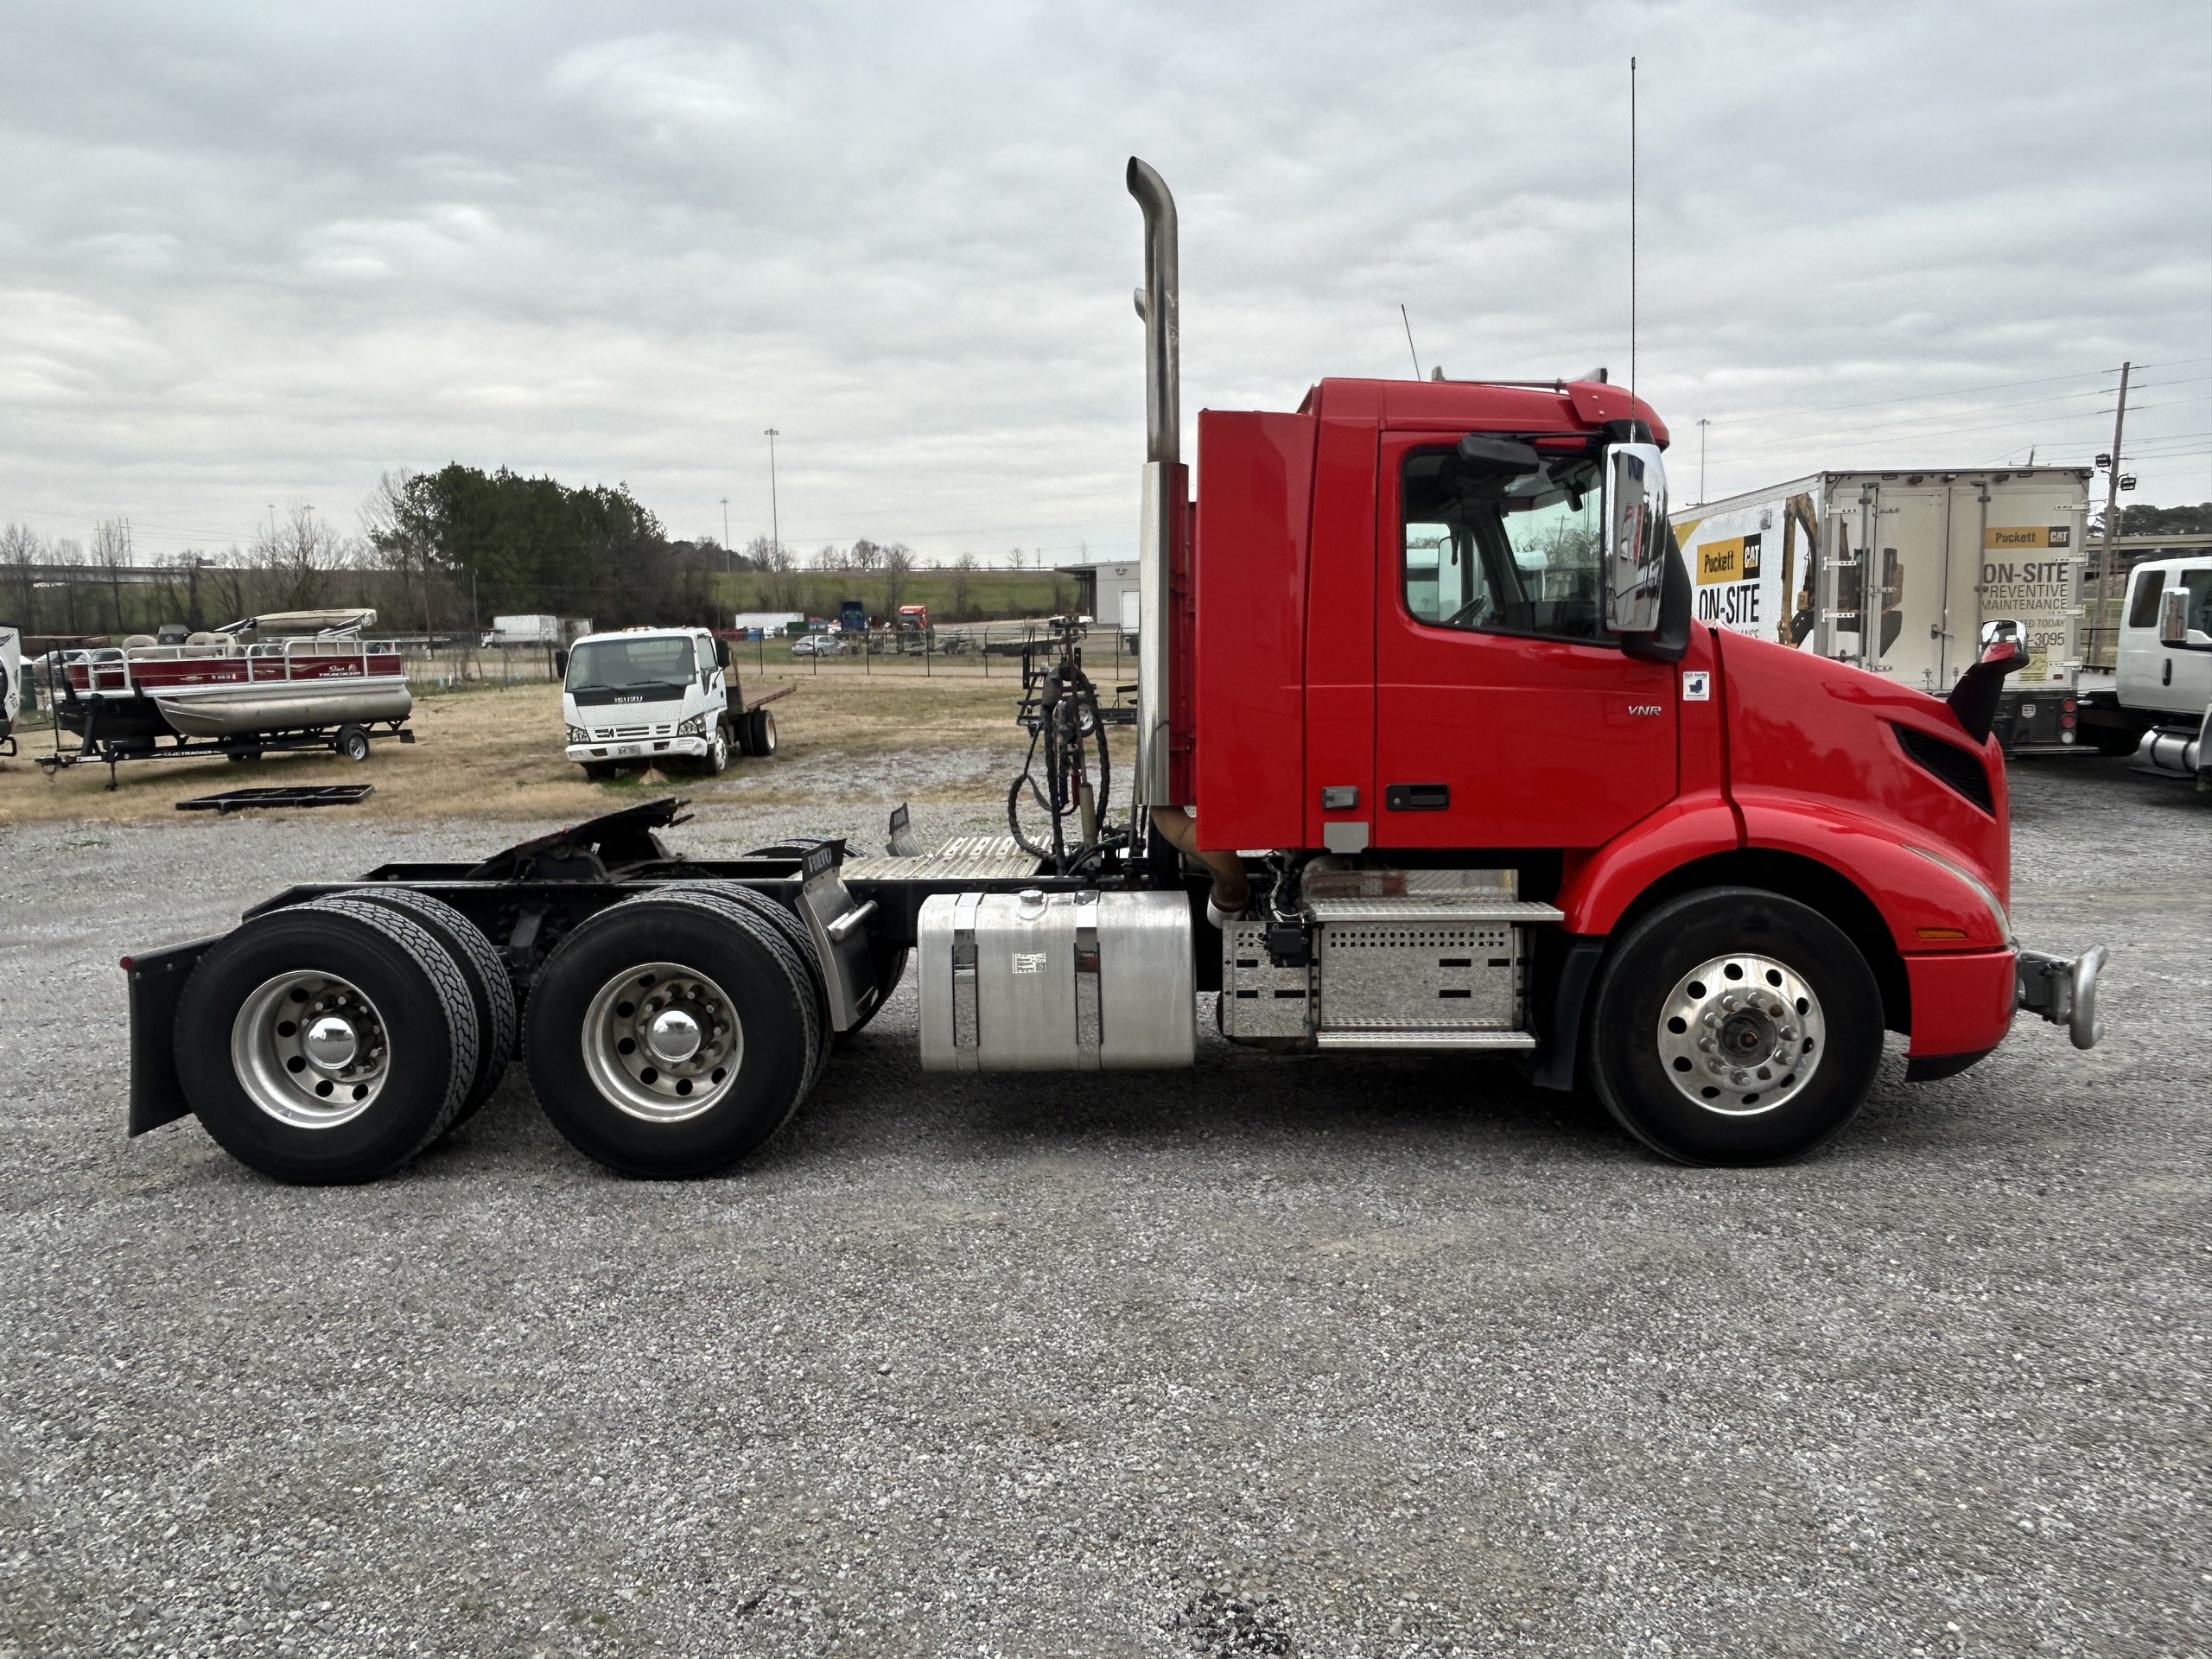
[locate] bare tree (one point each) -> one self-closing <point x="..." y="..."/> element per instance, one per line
<point x="21" y="553"/>
<point x="299" y="558"/>
<point x="964" y="608"/>
<point x="112" y="552"/>
<point x="864" y="557"/>
<point x="403" y="536"/>
<point x="829" y="557"/>
<point x="898" y="567"/>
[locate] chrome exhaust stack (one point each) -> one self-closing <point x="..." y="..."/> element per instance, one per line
<point x="1156" y="304"/>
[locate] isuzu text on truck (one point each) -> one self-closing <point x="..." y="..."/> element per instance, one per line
<point x="1432" y="757"/>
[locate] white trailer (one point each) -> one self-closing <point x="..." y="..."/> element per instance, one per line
<point x="11" y="685"/>
<point x="1902" y="573"/>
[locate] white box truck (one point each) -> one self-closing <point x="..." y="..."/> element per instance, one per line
<point x="1903" y="573"/>
<point x="11" y="685"/>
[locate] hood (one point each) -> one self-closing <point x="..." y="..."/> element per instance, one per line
<point x="1825" y="732"/>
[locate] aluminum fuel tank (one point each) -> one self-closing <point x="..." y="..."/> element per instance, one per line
<point x="1059" y="982"/>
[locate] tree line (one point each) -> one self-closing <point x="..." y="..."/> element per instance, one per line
<point x="447" y="550"/>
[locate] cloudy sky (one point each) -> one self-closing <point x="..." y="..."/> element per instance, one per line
<point x="255" y="254"/>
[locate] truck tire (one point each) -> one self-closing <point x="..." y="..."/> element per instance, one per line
<point x="379" y="1073"/>
<point x="761" y="731"/>
<point x="491" y="987"/>
<point x="669" y="1036"/>
<point x="790" y="933"/>
<point x="1734" y="1027"/>
<point x="716" y="761"/>
<point x="352" y="742"/>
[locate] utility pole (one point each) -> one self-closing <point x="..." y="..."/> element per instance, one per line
<point x="1701" y="424"/>
<point x="2109" y="551"/>
<point x="775" y="521"/>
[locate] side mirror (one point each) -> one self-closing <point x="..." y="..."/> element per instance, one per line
<point x="2173" y="618"/>
<point x="2003" y="627"/>
<point x="1639" y="542"/>
<point x="722" y="653"/>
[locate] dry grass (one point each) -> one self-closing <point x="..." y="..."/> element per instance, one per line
<point x="497" y="753"/>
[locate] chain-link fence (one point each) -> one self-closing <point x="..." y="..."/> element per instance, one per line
<point x="986" y="650"/>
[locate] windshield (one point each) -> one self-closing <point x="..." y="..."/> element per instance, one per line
<point x="649" y="660"/>
<point x="1503" y="555"/>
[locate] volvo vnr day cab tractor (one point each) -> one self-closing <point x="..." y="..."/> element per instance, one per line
<point x="1432" y="757"/>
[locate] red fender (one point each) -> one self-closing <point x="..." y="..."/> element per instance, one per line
<point x="1600" y="885"/>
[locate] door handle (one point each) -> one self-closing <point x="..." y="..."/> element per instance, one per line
<point x="1417" y="798"/>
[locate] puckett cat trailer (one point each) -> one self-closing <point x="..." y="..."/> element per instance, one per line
<point x="1468" y="779"/>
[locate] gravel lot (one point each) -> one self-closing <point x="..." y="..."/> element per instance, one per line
<point x="1317" y="1356"/>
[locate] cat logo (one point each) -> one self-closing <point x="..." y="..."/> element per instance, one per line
<point x="1736" y="559"/>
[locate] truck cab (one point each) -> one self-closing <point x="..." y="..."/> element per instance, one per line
<point x="666" y="697"/>
<point x="2165" y="665"/>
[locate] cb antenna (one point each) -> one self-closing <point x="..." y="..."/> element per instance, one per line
<point x="1631" y="227"/>
<point x="1408" y="322"/>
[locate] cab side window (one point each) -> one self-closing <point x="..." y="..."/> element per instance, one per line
<point x="1496" y="554"/>
<point x="2142" y="603"/>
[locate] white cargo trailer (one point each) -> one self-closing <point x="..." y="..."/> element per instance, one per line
<point x="11" y="686"/>
<point x="1901" y="572"/>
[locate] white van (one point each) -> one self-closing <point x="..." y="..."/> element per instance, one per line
<point x="666" y="697"/>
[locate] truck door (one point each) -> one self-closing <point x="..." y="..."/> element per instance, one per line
<point x="1910" y="584"/>
<point x="1505" y="714"/>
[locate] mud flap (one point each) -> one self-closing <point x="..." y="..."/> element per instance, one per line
<point x="157" y="979"/>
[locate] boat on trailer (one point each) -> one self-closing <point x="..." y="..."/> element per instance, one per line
<point x="283" y="679"/>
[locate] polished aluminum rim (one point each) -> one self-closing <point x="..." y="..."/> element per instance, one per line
<point x="663" y="1042"/>
<point x="1741" y="1035"/>
<point x="310" y="1049"/>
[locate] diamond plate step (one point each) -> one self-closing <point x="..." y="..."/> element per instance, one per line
<point x="1433" y="907"/>
<point x="964" y="858"/>
<point x="1508" y="1042"/>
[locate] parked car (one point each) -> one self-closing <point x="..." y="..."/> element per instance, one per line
<point x="818" y="645"/>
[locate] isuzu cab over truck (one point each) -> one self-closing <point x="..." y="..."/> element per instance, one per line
<point x="668" y="697"/>
<point x="1431" y="756"/>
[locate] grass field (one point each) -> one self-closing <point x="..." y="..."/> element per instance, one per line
<point x="496" y="752"/>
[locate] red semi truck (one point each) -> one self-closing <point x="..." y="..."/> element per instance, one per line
<point x="1432" y="757"/>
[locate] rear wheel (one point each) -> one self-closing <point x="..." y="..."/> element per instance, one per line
<point x="670" y="1036"/>
<point x="491" y="988"/>
<point x="326" y="1043"/>
<point x="1735" y="1026"/>
<point x="761" y="730"/>
<point x="352" y="742"/>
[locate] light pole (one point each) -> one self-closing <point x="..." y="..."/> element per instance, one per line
<point x="775" y="522"/>
<point x="1701" y="424"/>
<point x="273" y="524"/>
<point x="727" y="566"/>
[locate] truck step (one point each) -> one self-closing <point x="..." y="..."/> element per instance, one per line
<point x="1496" y="1042"/>
<point x="1419" y="907"/>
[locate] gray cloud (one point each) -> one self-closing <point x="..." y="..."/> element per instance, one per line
<point x="249" y="255"/>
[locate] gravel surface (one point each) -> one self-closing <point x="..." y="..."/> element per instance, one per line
<point x="1316" y="1357"/>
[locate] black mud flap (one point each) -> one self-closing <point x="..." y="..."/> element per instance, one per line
<point x="157" y="980"/>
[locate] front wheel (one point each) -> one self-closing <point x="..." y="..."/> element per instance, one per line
<point x="1735" y="1026"/>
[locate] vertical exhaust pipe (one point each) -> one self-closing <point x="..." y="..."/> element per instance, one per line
<point x="1156" y="304"/>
